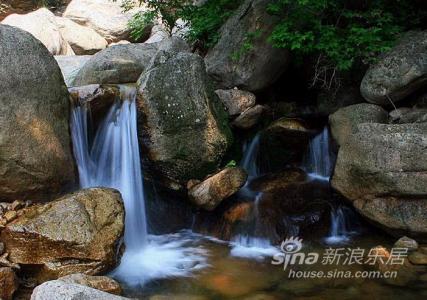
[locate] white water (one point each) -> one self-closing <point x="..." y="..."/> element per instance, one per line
<point x="246" y="245"/>
<point x="342" y="226"/>
<point x="318" y="162"/>
<point x="113" y="161"/>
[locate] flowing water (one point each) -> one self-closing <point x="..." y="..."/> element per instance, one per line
<point x="113" y="160"/>
<point x="186" y="265"/>
<point x="318" y="162"/>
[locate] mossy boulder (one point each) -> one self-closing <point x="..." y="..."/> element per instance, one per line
<point x="183" y="126"/>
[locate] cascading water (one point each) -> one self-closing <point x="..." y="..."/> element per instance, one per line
<point x="113" y="161"/>
<point x="318" y="162"/>
<point x="344" y="224"/>
<point x="249" y="245"/>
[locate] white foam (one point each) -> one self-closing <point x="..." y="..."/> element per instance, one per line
<point x="164" y="256"/>
<point x="252" y="247"/>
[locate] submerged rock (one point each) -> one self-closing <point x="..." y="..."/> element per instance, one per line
<point x="59" y="290"/>
<point x="8" y="283"/>
<point x="182" y="125"/>
<point x="212" y="191"/>
<point x="344" y="121"/>
<point x="275" y="181"/>
<point x="79" y="232"/>
<point x="399" y="72"/>
<point x="382" y="170"/>
<point x="42" y="25"/>
<point x="102" y="283"/>
<point x="254" y="69"/>
<point x="236" y="101"/>
<point x="83" y="40"/>
<point x="36" y="159"/>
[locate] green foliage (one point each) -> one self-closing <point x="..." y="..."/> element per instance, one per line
<point x="205" y="20"/>
<point x="340" y="33"/>
<point x="231" y="164"/>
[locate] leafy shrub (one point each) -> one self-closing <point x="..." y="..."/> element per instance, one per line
<point x="340" y="32"/>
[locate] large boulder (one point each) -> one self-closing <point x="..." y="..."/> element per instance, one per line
<point x="42" y="25"/>
<point x="70" y="66"/>
<point x="209" y="193"/>
<point x="83" y="40"/>
<point x="59" y="290"/>
<point x="123" y="63"/>
<point x="104" y="16"/>
<point x="183" y="127"/>
<point x="345" y="120"/>
<point x="253" y="69"/>
<point x="382" y="169"/>
<point x="399" y="72"/>
<point x="78" y="233"/>
<point x="35" y="151"/>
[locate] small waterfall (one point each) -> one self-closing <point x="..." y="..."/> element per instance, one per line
<point x="250" y="155"/>
<point x="248" y="244"/>
<point x="344" y="224"/>
<point x="318" y="162"/>
<point x="113" y="160"/>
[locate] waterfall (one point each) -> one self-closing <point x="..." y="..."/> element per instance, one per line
<point x="113" y="160"/>
<point x="248" y="245"/>
<point x="344" y="224"/>
<point x="318" y="162"/>
<point x="250" y="155"/>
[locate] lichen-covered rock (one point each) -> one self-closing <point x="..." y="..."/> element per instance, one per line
<point x="78" y="233"/>
<point x="83" y="40"/>
<point x="59" y="290"/>
<point x="213" y="190"/>
<point x="102" y="283"/>
<point x="344" y="121"/>
<point x="236" y="101"/>
<point x="399" y="72"/>
<point x="183" y="127"/>
<point x="70" y="66"/>
<point x="42" y="25"/>
<point x="35" y="152"/>
<point x="250" y="70"/>
<point x="8" y="283"/>
<point x="382" y="169"/>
